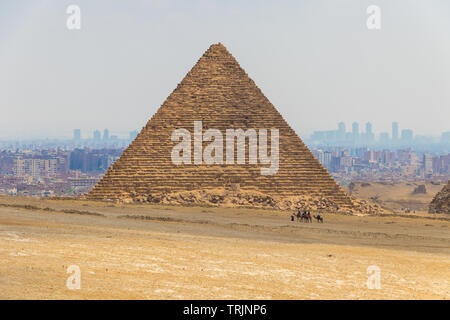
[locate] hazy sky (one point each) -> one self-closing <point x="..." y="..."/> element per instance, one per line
<point x="315" y="60"/>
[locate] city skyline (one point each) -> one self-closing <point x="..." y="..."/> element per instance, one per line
<point x="355" y="135"/>
<point x="359" y="128"/>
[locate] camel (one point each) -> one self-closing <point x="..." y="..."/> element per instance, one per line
<point x="305" y="217"/>
<point x="318" y="218"/>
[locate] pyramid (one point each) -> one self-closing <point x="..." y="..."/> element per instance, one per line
<point x="218" y="92"/>
<point x="441" y="201"/>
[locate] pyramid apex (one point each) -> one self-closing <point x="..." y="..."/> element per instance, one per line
<point x="218" y="44"/>
<point x="217" y="47"/>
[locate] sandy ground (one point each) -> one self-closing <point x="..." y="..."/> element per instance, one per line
<point x="394" y="197"/>
<point x="155" y="252"/>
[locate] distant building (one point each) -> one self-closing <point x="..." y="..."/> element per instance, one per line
<point x="77" y="160"/>
<point x="335" y="163"/>
<point x="445" y="138"/>
<point x="82" y="181"/>
<point x="97" y="136"/>
<point x="370" y="156"/>
<point x="106" y="135"/>
<point x="384" y="138"/>
<point x="77" y="134"/>
<point x="387" y="157"/>
<point x="355" y="131"/>
<point x="341" y="131"/>
<point x="394" y="131"/>
<point x="327" y="156"/>
<point x="346" y="161"/>
<point x="441" y="164"/>
<point x="370" y="137"/>
<point x="86" y="160"/>
<point x="35" y="167"/>
<point x="407" y="136"/>
<point x="428" y="164"/>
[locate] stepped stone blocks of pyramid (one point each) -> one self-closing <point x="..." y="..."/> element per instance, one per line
<point x="218" y="92"/>
<point x="441" y="201"/>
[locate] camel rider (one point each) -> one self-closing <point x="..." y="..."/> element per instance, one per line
<point x="318" y="215"/>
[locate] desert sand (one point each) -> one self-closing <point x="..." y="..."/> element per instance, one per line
<point x="395" y="196"/>
<point x="136" y="251"/>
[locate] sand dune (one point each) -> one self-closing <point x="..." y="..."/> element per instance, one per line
<point x="165" y="252"/>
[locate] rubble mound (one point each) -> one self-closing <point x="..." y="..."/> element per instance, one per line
<point x="420" y="189"/>
<point x="441" y="201"/>
<point x="254" y="199"/>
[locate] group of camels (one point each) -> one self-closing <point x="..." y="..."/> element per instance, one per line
<point x="306" y="217"/>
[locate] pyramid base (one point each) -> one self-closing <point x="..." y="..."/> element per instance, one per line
<point x="222" y="197"/>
